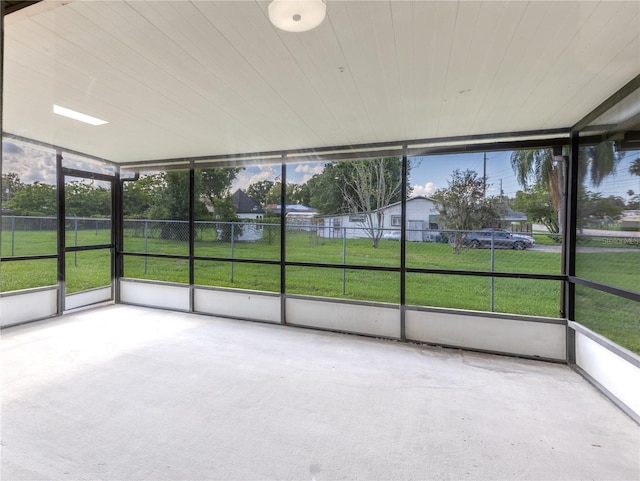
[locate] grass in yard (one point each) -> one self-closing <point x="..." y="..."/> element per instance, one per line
<point x="87" y="270"/>
<point x="613" y="317"/>
<point x="28" y="243"/>
<point x="618" y="269"/>
<point x="344" y="283"/>
<point x="514" y="296"/>
<point x="429" y="255"/>
<point x="18" y="275"/>
<point x="168" y="270"/>
<point x="257" y="277"/>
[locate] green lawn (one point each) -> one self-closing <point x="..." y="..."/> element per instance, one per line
<point x="90" y="269"/>
<point x="613" y="317"/>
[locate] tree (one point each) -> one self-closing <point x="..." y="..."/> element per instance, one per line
<point x="225" y="212"/>
<point x="324" y="189"/>
<point x="299" y="194"/>
<point x="172" y="203"/>
<point x="538" y="204"/>
<point x="140" y="195"/>
<point x="34" y="200"/>
<point x="634" y="169"/>
<point x="540" y="167"/>
<point x="367" y="187"/>
<point x="327" y="190"/>
<point x="463" y="206"/>
<point x="215" y="184"/>
<point x="634" y="200"/>
<point x="273" y="195"/>
<point x="593" y="206"/>
<point x="11" y="185"/>
<point x="86" y="200"/>
<point x="258" y="191"/>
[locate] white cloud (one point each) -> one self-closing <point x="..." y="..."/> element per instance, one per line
<point x="30" y="163"/>
<point x="427" y="189"/>
<point x="310" y="169"/>
<point x="305" y="178"/>
<point x="255" y="174"/>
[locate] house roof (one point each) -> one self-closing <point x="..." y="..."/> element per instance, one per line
<point x="243" y="204"/>
<point x="417" y="197"/>
<point x="293" y="208"/>
<point x="183" y="79"/>
<point x="507" y="214"/>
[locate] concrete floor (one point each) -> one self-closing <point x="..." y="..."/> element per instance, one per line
<point x="130" y="393"/>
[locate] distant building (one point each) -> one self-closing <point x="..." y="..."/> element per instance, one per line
<point x="512" y="220"/>
<point x="630" y="220"/>
<point x="297" y="216"/>
<point x="422" y="215"/>
<point x="422" y="221"/>
<point x="251" y="215"/>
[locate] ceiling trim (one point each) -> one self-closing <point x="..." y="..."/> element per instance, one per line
<point x="625" y="91"/>
<point x="434" y="146"/>
<point x="14" y="6"/>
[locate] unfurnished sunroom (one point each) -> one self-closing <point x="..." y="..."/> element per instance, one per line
<point x="127" y="125"/>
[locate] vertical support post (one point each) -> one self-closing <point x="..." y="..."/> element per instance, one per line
<point x="13" y="235"/>
<point x="60" y="211"/>
<point x="403" y="241"/>
<point x="75" y="241"/>
<point x="117" y="234"/>
<point x="569" y="240"/>
<point x="1" y="99"/>
<point x="232" y="251"/>
<point x="493" y="265"/>
<point x="146" y="243"/>
<point x="192" y="232"/>
<point x="283" y="239"/>
<point x="344" y="260"/>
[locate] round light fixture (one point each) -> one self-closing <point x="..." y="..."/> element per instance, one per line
<point x="297" y="15"/>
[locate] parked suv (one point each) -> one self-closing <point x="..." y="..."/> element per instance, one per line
<point x="502" y="239"/>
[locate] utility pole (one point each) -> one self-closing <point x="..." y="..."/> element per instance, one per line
<point x="484" y="175"/>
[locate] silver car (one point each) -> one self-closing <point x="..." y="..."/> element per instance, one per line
<point x="501" y="239"/>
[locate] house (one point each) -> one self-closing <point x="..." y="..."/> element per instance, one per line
<point x="251" y="215"/>
<point x="422" y="221"/>
<point x="422" y="215"/>
<point x="299" y="217"/>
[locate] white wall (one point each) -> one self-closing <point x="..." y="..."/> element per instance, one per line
<point x="256" y="305"/>
<point x="154" y="294"/>
<point x="86" y="298"/>
<point x="613" y="372"/>
<point x="374" y="320"/>
<point x="531" y="338"/>
<point x="28" y="305"/>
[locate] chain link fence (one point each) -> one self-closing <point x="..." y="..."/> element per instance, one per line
<point x="28" y="235"/>
<point x="607" y="257"/>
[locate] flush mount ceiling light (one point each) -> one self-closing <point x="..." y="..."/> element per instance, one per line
<point x="72" y="114"/>
<point x="297" y="15"/>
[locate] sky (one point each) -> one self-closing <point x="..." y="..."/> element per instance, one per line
<point x="427" y="174"/>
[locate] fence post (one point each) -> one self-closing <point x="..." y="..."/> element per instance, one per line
<point x="13" y="235"/>
<point x="493" y="263"/>
<point x="75" y="243"/>
<point x="146" y="243"/>
<point x="232" y="251"/>
<point x="344" y="260"/>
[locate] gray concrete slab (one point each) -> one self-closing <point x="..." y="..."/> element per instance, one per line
<point x="130" y="393"/>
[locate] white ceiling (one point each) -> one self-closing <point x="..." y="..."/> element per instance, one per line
<point x="194" y="78"/>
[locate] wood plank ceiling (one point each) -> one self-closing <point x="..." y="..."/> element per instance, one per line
<point x="194" y="78"/>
